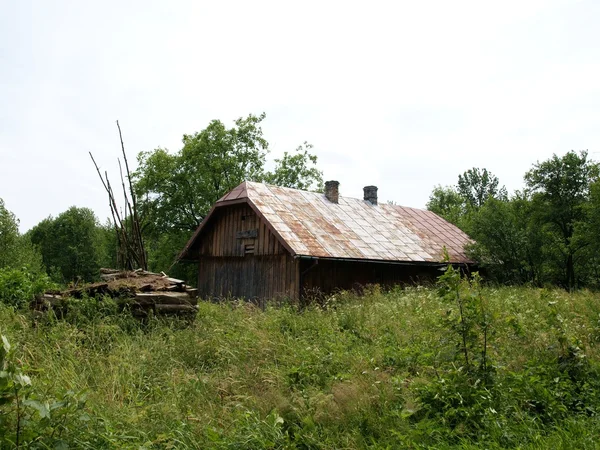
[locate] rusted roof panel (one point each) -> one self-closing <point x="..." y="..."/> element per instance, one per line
<point x="238" y="192"/>
<point x="354" y="229"/>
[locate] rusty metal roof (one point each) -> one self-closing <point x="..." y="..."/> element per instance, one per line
<point x="311" y="225"/>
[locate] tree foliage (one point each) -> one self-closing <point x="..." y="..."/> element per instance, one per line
<point x="176" y="190"/>
<point x="16" y="250"/>
<point x="9" y="236"/>
<point x="502" y="240"/>
<point x="298" y="170"/>
<point x="560" y="189"/>
<point x="70" y="244"/>
<point x="446" y="202"/>
<point x="547" y="234"/>
<point x="476" y="186"/>
<point x="458" y="204"/>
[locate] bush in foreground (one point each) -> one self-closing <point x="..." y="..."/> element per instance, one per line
<point x="18" y="287"/>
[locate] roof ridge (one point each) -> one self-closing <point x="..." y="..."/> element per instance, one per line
<point x="322" y="194"/>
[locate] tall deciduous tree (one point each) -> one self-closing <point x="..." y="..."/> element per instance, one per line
<point x="505" y="244"/>
<point x="298" y="170"/>
<point x="16" y="250"/>
<point x="70" y="244"/>
<point x="459" y="204"/>
<point x="560" y="189"/>
<point x="446" y="202"/>
<point x="591" y="233"/>
<point x="9" y="236"/>
<point x="476" y="186"/>
<point x="177" y="190"/>
<point x="548" y="233"/>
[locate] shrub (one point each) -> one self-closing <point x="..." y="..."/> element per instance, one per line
<point x="25" y="418"/>
<point x="19" y="287"/>
<point x="463" y="395"/>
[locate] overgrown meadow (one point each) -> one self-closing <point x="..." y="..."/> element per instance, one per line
<point x="452" y="366"/>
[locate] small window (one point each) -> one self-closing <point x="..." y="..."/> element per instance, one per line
<point x="249" y="249"/>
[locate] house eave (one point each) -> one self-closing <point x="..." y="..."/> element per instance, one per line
<point x="184" y="255"/>
<point x="388" y="261"/>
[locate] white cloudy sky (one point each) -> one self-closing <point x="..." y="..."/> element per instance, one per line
<point x="401" y="94"/>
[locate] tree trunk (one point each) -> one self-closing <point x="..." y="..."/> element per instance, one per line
<point x="570" y="272"/>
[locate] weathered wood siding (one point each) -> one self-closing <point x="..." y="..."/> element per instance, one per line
<point x="222" y="236"/>
<point x="239" y="257"/>
<point x="330" y="275"/>
<point x="255" y="278"/>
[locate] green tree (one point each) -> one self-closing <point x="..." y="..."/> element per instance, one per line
<point x="588" y="265"/>
<point x="447" y="203"/>
<point x="505" y="243"/>
<point x="70" y="244"/>
<point x="175" y="191"/>
<point x="107" y="245"/>
<point x="560" y="189"/>
<point x="476" y="186"/>
<point x="297" y="170"/>
<point x="459" y="204"/>
<point x="16" y="250"/>
<point x="9" y="236"/>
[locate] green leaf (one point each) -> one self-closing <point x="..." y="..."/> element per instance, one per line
<point x="61" y="445"/>
<point x="5" y="344"/>
<point x="22" y="380"/>
<point x="42" y="408"/>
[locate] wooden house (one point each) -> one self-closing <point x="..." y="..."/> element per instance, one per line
<point x="261" y="241"/>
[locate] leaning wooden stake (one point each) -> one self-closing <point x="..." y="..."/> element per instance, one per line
<point x="136" y="228"/>
<point x="131" y="252"/>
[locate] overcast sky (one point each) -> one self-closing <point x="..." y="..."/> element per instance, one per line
<point x="401" y="94"/>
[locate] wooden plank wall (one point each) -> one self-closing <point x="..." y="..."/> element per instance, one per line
<point x="328" y="275"/>
<point x="220" y="236"/>
<point x="255" y="268"/>
<point x="255" y="278"/>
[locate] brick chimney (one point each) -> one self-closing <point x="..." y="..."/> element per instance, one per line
<point x="332" y="192"/>
<point x="370" y="194"/>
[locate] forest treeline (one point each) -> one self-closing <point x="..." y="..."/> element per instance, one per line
<point x="544" y="234"/>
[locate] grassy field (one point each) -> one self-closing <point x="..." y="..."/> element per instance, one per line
<point x="380" y="371"/>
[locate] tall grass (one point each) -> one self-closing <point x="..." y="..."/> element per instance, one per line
<point x="355" y="374"/>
